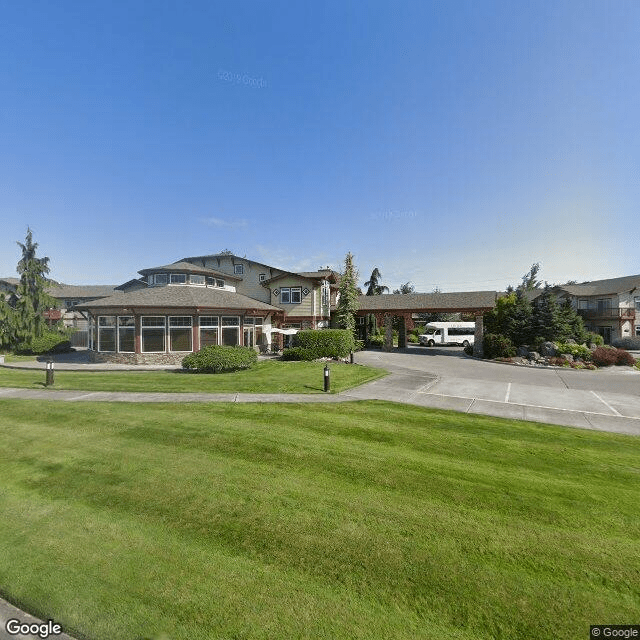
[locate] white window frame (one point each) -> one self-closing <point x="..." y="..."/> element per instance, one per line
<point x="126" y="327"/>
<point x="262" y="277"/>
<point x="114" y="327"/>
<point x="209" y="324"/>
<point x="178" y="278"/>
<point x="298" y="293"/>
<point x="180" y="326"/>
<point x="160" y="278"/>
<point x="143" y="328"/>
<point x="283" y="291"/>
<point x="237" y="326"/>
<point x="238" y="269"/>
<point x="197" y="280"/>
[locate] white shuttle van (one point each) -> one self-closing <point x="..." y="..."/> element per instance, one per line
<point x="461" y="333"/>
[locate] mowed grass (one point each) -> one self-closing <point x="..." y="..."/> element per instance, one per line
<point x="267" y="376"/>
<point x="362" y="520"/>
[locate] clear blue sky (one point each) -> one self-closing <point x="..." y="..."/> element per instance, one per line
<point x="450" y="144"/>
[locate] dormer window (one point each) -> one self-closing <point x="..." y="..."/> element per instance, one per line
<point x="178" y="278"/>
<point x="160" y="278"/>
<point x="196" y="279"/>
<point x="238" y="269"/>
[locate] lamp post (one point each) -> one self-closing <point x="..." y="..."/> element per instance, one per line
<point x="327" y="379"/>
<point x="50" y="379"/>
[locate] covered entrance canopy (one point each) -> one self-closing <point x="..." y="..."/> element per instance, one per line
<point x="386" y="306"/>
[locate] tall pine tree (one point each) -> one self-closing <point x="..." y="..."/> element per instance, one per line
<point x="348" y="291"/>
<point x="33" y="299"/>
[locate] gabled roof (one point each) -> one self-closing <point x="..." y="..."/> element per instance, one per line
<point x="188" y="267"/>
<point x="602" y="287"/>
<point x="12" y="281"/>
<point x="322" y="274"/>
<point x="466" y="300"/>
<point x="178" y="296"/>
<point x="233" y="256"/>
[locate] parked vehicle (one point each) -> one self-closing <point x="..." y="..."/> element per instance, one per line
<point x="461" y="333"/>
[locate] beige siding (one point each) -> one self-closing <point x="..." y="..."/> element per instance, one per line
<point x="302" y="309"/>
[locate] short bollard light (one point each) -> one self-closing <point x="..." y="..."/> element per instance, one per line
<point x="49" y="373"/>
<point x="351" y="356"/>
<point x="327" y="379"/>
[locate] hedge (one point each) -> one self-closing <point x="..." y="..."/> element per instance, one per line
<point x="312" y="344"/>
<point x="48" y="342"/>
<point x="219" y="359"/>
<point x="607" y="356"/>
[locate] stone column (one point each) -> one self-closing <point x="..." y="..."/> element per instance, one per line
<point x="478" y="349"/>
<point x="388" y="332"/>
<point x="402" y="332"/>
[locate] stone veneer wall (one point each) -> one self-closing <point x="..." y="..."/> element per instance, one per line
<point x="138" y="358"/>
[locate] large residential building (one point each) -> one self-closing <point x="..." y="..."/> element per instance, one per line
<point x="219" y="299"/>
<point x="608" y="307"/>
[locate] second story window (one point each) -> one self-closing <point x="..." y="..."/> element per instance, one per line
<point x="290" y="295"/>
<point x="178" y="278"/>
<point x="238" y="269"/>
<point x="262" y="277"/>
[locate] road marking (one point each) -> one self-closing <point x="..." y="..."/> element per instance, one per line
<point x="606" y="404"/>
<point x="506" y="398"/>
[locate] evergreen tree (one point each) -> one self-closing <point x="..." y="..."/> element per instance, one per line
<point x="374" y="288"/>
<point x="548" y="322"/>
<point x="7" y="324"/>
<point x="348" y="295"/>
<point x="33" y="299"/>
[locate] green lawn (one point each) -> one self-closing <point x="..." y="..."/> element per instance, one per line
<point x="267" y="376"/>
<point x="360" y="520"/>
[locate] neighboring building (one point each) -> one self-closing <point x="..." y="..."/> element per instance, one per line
<point x="8" y="287"/>
<point x="69" y="296"/>
<point x="608" y="307"/>
<point x="198" y="301"/>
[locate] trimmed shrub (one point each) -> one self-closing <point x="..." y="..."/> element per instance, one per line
<point x="48" y="342"/>
<point x="298" y="353"/>
<point x="632" y="344"/>
<point x="498" y="346"/>
<point x="218" y="359"/>
<point x="412" y="338"/>
<point x="469" y="349"/>
<point x="326" y="343"/>
<point x="604" y="356"/>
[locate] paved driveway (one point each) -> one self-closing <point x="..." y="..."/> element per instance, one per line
<point x="607" y="399"/>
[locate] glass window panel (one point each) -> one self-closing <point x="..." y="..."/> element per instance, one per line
<point x="208" y="321"/>
<point x="208" y="337"/>
<point x="178" y="278"/>
<point x="126" y="321"/>
<point x="180" y="339"/>
<point x="230" y="321"/>
<point x="238" y="269"/>
<point x="106" y="339"/>
<point x="230" y="336"/>
<point x="153" y="340"/>
<point x="219" y="283"/>
<point x="258" y="321"/>
<point x="107" y="321"/>
<point x="248" y="320"/>
<point x="127" y="339"/>
<point x="180" y="321"/>
<point x="161" y="278"/>
<point x="196" y="279"/>
<point x="285" y="295"/>
<point x="211" y="281"/>
<point x="296" y="296"/>
<point x="153" y="321"/>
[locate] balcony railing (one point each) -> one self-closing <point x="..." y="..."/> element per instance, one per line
<point x="619" y="313"/>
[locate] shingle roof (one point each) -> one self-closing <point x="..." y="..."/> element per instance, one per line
<point x="179" y="296"/>
<point x="188" y="267"/>
<point x="81" y="290"/>
<point x="311" y="275"/>
<point x="416" y="302"/>
<point x="12" y="281"/>
<point x="602" y="287"/>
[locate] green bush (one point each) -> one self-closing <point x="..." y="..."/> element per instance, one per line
<point x="412" y="338"/>
<point x="498" y="346"/>
<point x="218" y="359"/>
<point x="595" y="338"/>
<point x="576" y="350"/>
<point x="48" y="342"/>
<point x="298" y="353"/>
<point x="376" y="340"/>
<point x="326" y="343"/>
